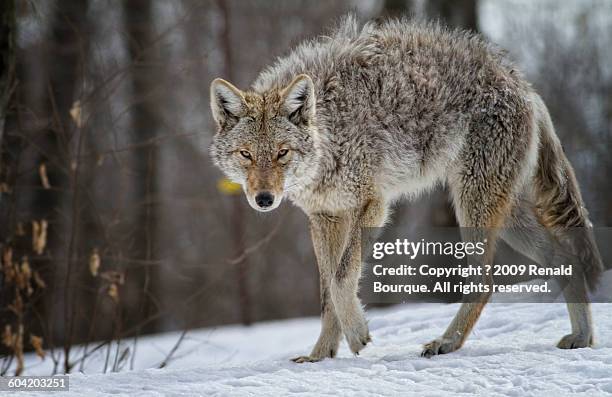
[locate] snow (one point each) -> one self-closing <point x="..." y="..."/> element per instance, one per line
<point x="511" y="352"/>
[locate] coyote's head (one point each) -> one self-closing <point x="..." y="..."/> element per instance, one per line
<point x="265" y="141"/>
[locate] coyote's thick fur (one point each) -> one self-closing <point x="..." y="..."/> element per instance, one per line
<point x="349" y="123"/>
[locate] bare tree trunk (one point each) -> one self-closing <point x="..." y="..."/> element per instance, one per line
<point x="7" y="80"/>
<point x="457" y="13"/>
<point x="68" y="49"/>
<point x="237" y="222"/>
<point x="7" y="58"/>
<point x="397" y="8"/>
<point x="145" y="119"/>
<point x="7" y="156"/>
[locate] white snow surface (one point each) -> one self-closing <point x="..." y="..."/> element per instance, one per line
<point x="511" y="352"/>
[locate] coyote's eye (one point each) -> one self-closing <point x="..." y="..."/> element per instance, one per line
<point x="245" y="154"/>
<point x="282" y="153"/>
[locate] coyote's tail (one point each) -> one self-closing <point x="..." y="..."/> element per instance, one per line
<point x="559" y="201"/>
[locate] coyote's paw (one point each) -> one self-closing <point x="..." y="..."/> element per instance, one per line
<point x="575" y="341"/>
<point x="358" y="337"/>
<point x="439" y="346"/>
<point x="320" y="352"/>
<point x="306" y="359"/>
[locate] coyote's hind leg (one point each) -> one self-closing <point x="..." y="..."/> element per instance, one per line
<point x="483" y="187"/>
<point x="526" y="234"/>
<point x="469" y="312"/>
<point x="579" y="308"/>
<point x="480" y="223"/>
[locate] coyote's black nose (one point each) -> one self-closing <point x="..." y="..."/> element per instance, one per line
<point x="264" y="199"/>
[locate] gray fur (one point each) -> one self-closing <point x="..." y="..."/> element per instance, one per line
<point x="371" y="114"/>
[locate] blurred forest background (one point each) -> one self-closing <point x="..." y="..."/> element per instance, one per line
<point x="113" y="221"/>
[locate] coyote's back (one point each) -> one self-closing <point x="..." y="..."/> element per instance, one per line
<point x="399" y="100"/>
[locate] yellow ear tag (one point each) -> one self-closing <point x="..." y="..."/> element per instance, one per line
<point x="228" y="187"/>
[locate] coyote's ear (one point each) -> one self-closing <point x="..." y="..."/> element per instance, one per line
<point x="299" y="100"/>
<point x="226" y="102"/>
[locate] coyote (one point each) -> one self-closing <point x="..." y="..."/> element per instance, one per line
<point x="349" y="123"/>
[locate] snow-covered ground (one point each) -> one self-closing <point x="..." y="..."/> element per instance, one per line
<point x="511" y="352"/>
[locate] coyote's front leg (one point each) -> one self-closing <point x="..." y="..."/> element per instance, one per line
<point x="329" y="238"/>
<point x="337" y="243"/>
<point x="331" y="333"/>
<point x="345" y="281"/>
